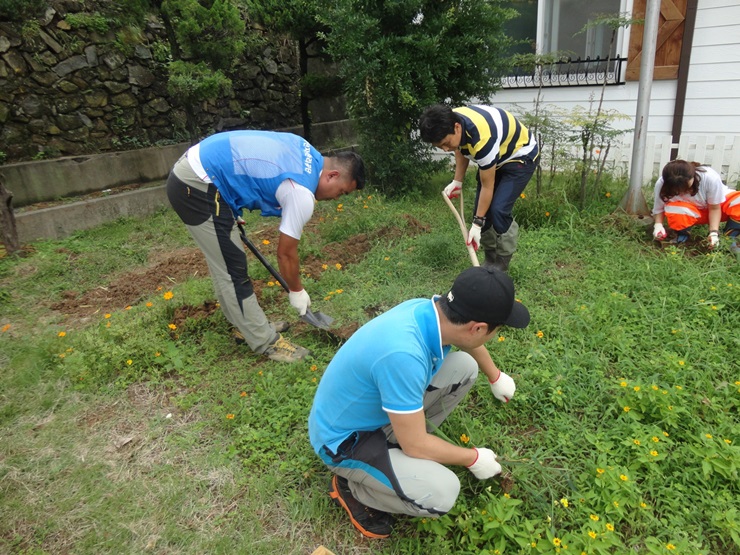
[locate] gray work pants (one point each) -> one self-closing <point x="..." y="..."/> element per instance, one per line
<point x="212" y="224"/>
<point x="420" y="487"/>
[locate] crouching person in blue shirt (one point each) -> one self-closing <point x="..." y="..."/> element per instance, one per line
<point x="393" y="381"/>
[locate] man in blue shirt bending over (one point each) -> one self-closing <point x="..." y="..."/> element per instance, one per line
<point x="369" y="418"/>
<point x="279" y="174"/>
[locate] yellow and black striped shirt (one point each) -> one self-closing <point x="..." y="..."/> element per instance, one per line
<point x="492" y="136"/>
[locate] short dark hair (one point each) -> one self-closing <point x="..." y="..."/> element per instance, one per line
<point x="353" y="163"/>
<point x="436" y="122"/>
<point x="676" y="176"/>
<point x="457" y="320"/>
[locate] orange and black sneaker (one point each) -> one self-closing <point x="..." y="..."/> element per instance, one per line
<point x="370" y="522"/>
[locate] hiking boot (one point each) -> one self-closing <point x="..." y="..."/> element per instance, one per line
<point x="279" y="326"/>
<point x="370" y="522"/>
<point x="489" y="259"/>
<point x="285" y="351"/>
<point x="502" y="263"/>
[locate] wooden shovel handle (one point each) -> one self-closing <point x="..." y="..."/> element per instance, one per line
<point x="463" y="229"/>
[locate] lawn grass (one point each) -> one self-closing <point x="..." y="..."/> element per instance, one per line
<point x="120" y="434"/>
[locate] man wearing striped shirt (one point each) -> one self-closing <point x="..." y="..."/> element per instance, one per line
<point x="506" y="154"/>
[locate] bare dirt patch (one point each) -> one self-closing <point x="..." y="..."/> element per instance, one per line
<point x="172" y="267"/>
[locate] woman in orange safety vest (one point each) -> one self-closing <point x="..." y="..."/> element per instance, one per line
<point x="689" y="194"/>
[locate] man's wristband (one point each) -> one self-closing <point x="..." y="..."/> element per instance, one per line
<point x="479" y="220"/>
<point x="714" y="231"/>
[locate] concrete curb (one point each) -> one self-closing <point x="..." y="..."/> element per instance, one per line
<point x="61" y="221"/>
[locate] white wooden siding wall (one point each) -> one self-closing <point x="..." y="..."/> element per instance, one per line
<point x="721" y="152"/>
<point x="713" y="91"/>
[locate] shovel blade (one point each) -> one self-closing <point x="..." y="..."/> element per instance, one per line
<point x="317" y="319"/>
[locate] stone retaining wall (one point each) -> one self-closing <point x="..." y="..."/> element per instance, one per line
<point x="66" y="91"/>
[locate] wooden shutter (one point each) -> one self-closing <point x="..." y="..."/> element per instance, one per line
<point x="670" y="37"/>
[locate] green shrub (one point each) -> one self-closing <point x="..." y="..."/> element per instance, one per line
<point x="90" y="21"/>
<point x="21" y="10"/>
<point x="195" y="82"/>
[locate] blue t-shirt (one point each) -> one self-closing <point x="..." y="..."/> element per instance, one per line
<point x="386" y="366"/>
<point x="247" y="167"/>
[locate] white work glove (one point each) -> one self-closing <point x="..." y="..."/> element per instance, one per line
<point x="485" y="465"/>
<point x="474" y="236"/>
<point x="300" y="301"/>
<point x="503" y="388"/>
<point x="453" y="189"/>
<point x="713" y="239"/>
<point x="659" y="232"/>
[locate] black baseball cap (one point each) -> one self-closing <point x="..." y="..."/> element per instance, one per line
<point x="487" y="295"/>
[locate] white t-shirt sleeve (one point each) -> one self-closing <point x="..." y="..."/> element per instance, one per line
<point x="297" y="203"/>
<point x="714" y="189"/>
<point x="658" y="204"/>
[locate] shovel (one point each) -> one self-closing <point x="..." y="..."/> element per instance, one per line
<point x="463" y="229"/>
<point x="316" y="319"/>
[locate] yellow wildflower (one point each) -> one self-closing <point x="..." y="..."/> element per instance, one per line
<point x="654" y="453"/>
<point x="540" y="334"/>
<point x="338" y="266"/>
<point x="106" y="316"/>
<point x="556" y="542"/>
<point x="243" y="394"/>
<point x="501" y="338"/>
<point x="129" y="362"/>
<point x="708" y="436"/>
<point x="265" y="242"/>
<point x="5" y="328"/>
<point x="626" y="409"/>
<point x="324" y="266"/>
<point x="464" y="438"/>
<point x="172" y="326"/>
<point x="230" y="416"/>
<point x="592" y="534"/>
<point x="623" y="384"/>
<point x="610" y="527"/>
<point x="62" y="333"/>
<point x="149" y="304"/>
<point x="670" y="547"/>
<point x="564" y="502"/>
<point x="595" y="518"/>
<point x="636" y="441"/>
<point x="599" y="470"/>
<point x="168" y="295"/>
<point x="636" y="388"/>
